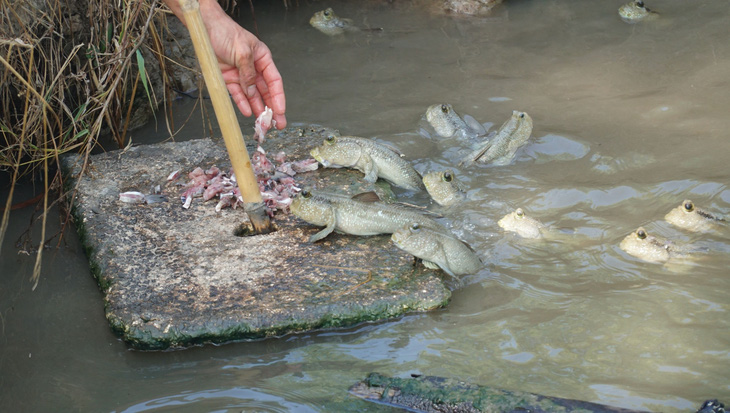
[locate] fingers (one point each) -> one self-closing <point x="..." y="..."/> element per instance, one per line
<point x="276" y="103"/>
<point x="254" y="105"/>
<point x="254" y="96"/>
<point x="253" y="79"/>
<point x="269" y="83"/>
<point x="230" y="77"/>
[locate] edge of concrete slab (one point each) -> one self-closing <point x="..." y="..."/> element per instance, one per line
<point x="174" y="278"/>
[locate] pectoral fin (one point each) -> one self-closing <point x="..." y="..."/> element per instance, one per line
<point x="369" y="168"/>
<point x="474" y="156"/>
<point x="331" y="220"/>
<point x="431" y="265"/>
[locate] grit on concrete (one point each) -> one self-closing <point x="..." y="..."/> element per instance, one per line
<point x="175" y="277"/>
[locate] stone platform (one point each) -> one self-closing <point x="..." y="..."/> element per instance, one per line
<point x="175" y="277"/>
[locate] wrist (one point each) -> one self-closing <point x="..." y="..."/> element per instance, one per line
<point x="211" y="12"/>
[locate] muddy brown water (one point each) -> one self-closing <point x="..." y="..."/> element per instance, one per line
<point x="629" y="121"/>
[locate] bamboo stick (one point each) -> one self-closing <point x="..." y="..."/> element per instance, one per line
<point x="224" y="112"/>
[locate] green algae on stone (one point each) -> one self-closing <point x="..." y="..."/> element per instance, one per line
<point x="438" y="394"/>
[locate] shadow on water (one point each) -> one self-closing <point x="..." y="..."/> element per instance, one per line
<point x="629" y="121"/>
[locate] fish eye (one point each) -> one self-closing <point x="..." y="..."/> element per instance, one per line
<point x="447" y="177"/>
<point x="415" y="227"/>
<point x="689" y="206"/>
<point x="331" y="139"/>
<point x="519" y="212"/>
<point x="640" y="233"/>
<point x="306" y="194"/>
<point x="444" y="108"/>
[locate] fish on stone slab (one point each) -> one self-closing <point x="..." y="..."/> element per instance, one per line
<point x="353" y="216"/>
<point x="373" y="159"/>
<point x="438" y="248"/>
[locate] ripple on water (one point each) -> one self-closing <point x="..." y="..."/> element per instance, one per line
<point x="620" y="397"/>
<point x="552" y="147"/>
<point x="688" y="188"/>
<point x="592" y="197"/>
<point x="247" y="399"/>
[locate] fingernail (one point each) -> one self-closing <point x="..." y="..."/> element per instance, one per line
<point x="251" y="91"/>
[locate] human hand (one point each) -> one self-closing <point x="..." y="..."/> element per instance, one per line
<point x="246" y="63"/>
<point x="249" y="71"/>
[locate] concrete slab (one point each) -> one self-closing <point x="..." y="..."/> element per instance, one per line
<point x="175" y="277"/>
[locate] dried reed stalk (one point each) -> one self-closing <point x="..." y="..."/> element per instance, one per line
<point x="68" y="75"/>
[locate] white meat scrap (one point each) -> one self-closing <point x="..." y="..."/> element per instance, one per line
<point x="263" y="123"/>
<point x="276" y="183"/>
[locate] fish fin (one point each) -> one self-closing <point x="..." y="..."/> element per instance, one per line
<point x="321" y="234"/>
<point x="474" y="125"/>
<point x="434" y="266"/>
<point x="368" y="167"/>
<point x="470" y="248"/>
<point x="421" y="209"/>
<point x="372" y="174"/>
<point x="474" y="156"/>
<point x="331" y="224"/>
<point x="344" y="23"/>
<point x="368" y="197"/>
<point x="392" y="148"/>
<point x="431" y="265"/>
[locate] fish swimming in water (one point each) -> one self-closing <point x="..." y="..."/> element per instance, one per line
<point x="447" y="123"/>
<point x="688" y="216"/>
<point x="500" y="149"/>
<point x="636" y="11"/>
<point x="525" y="226"/>
<point x="651" y="248"/>
<point x="327" y="22"/>
<point x="444" y="188"/>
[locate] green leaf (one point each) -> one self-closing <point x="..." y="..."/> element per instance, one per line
<point x="81" y="134"/>
<point x="80" y="111"/>
<point x="143" y="75"/>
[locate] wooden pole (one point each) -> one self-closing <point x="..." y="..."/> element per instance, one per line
<point x="227" y="120"/>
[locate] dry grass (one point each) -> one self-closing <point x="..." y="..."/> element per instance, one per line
<point x="70" y="71"/>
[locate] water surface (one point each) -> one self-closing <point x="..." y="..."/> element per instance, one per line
<point x="629" y="121"/>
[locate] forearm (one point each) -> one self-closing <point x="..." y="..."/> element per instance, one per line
<point x="210" y="10"/>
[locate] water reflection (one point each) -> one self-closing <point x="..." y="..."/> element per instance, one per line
<point x="237" y="399"/>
